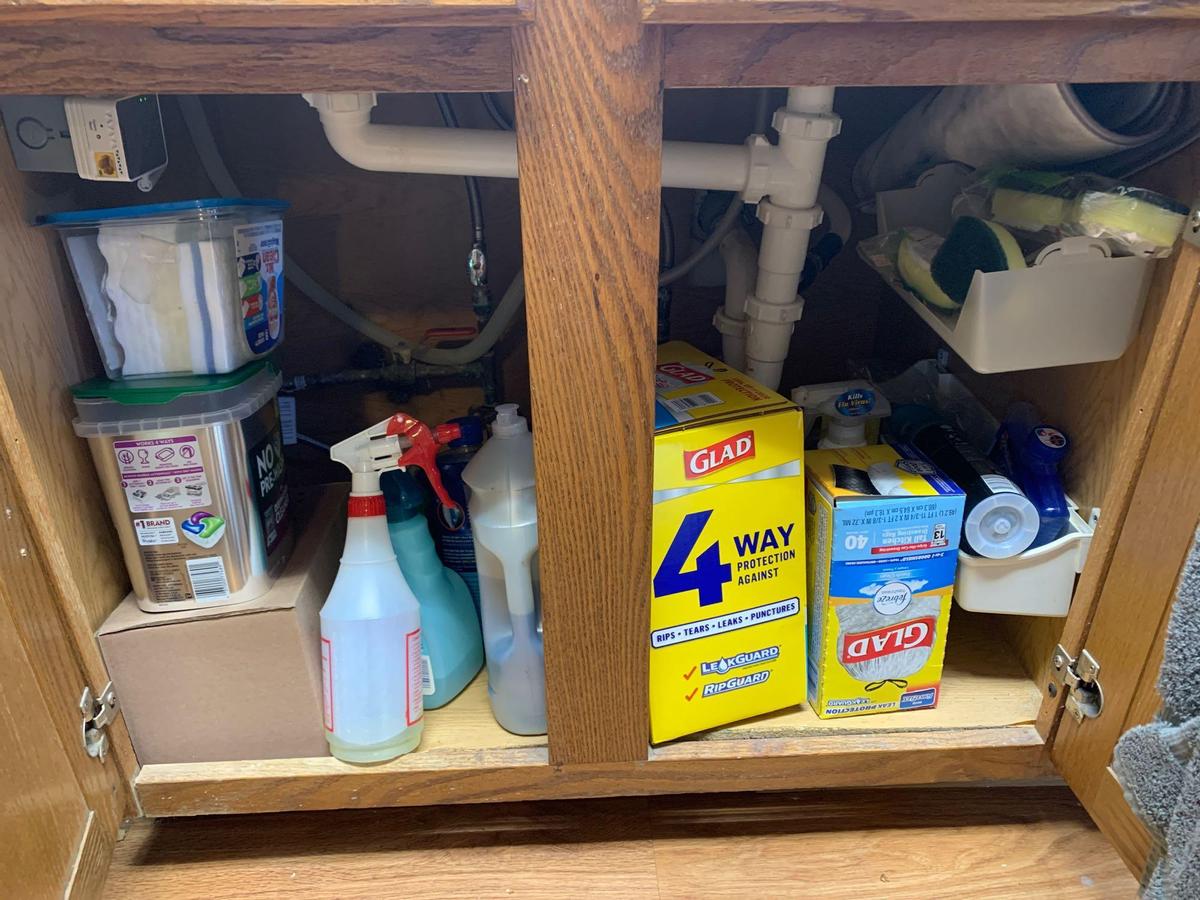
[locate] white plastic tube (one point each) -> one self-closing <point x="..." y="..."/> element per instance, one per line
<point x="790" y="173"/>
<point x="738" y="253"/>
<point x="805" y="128"/>
<point x="489" y="153"/>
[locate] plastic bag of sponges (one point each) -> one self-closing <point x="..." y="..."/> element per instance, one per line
<point x="1050" y="206"/>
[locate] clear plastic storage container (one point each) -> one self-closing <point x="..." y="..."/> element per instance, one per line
<point x="194" y="287"/>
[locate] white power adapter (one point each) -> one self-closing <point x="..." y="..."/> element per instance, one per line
<point x="117" y="138"/>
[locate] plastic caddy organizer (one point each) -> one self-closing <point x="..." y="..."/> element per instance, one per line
<point x="1038" y="582"/>
<point x="1074" y="304"/>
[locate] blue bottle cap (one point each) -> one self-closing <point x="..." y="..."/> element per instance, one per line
<point x="472" y="431"/>
<point x="1045" y="444"/>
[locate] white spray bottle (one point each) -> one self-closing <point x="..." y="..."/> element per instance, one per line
<point x="847" y="410"/>
<point x="371" y="623"/>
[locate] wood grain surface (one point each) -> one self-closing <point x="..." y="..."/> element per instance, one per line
<point x="816" y="11"/>
<point x="1015" y="753"/>
<point x="465" y="755"/>
<point x="53" y="54"/>
<point x="43" y="814"/>
<point x="1139" y="585"/>
<point x="90" y="869"/>
<point x="983" y="686"/>
<point x="35" y="611"/>
<point x="58" y="58"/>
<point x="589" y="140"/>
<point x="44" y="348"/>
<point x="269" y="13"/>
<point x="897" y="53"/>
<point x="896" y="844"/>
<point x="1145" y="407"/>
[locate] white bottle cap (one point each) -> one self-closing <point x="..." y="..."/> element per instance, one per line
<point x="1001" y="526"/>
<point x="844" y="432"/>
<point x="508" y="422"/>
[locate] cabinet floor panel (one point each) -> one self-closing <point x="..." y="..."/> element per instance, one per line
<point x="982" y="731"/>
<point x="983" y="686"/>
<point x="903" y="843"/>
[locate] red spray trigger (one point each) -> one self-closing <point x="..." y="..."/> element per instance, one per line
<point x="423" y="452"/>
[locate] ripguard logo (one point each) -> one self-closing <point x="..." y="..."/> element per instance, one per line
<point x="868" y="645"/>
<point x="698" y="463"/>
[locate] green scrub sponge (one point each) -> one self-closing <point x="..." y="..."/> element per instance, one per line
<point x="973" y="245"/>
<point x="914" y="259"/>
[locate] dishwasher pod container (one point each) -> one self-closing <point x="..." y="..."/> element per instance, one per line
<point x="192" y="469"/>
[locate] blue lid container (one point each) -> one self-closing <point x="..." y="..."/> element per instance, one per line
<point x="193" y="287"/>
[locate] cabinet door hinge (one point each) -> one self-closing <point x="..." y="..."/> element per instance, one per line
<point x="1079" y="679"/>
<point x="98" y="712"/>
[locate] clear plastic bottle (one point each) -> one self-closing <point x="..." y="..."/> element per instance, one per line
<point x="371" y="664"/>
<point x="371" y="644"/>
<point x="504" y="519"/>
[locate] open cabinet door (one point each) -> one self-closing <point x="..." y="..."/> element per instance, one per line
<point x="60" y="573"/>
<point x="62" y="807"/>
<point x="1128" y="624"/>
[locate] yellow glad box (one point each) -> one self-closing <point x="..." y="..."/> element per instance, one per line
<point x="727" y="593"/>
<point x="883" y="530"/>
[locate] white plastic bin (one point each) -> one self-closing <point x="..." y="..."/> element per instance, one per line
<point x="194" y="287"/>
<point x="1075" y="304"/>
<point x="1038" y="582"/>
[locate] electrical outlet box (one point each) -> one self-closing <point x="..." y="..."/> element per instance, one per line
<point x="38" y="133"/>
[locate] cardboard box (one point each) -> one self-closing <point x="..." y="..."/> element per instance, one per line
<point x="727" y="593"/>
<point x="235" y="682"/>
<point x="882" y="551"/>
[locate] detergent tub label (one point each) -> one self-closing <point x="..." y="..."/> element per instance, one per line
<point x="162" y="475"/>
<point x="881" y="574"/>
<point x="180" y="528"/>
<point x="269" y="488"/>
<point x="727" y="604"/>
<point x="259" y="251"/>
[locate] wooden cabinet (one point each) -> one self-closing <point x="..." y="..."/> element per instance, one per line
<point x="588" y="78"/>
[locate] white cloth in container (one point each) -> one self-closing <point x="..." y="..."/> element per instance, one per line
<point x="206" y="282"/>
<point x="172" y="303"/>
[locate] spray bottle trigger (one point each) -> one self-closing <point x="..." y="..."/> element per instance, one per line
<point x="423" y="452"/>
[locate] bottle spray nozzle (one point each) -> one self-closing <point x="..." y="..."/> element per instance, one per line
<point x="396" y="443"/>
<point x="423" y="448"/>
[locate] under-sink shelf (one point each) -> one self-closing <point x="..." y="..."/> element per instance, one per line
<point x="981" y="730"/>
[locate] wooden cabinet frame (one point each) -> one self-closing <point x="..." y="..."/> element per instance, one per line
<point x="588" y="77"/>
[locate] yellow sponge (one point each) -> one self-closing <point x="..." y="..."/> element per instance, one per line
<point x="914" y="260"/>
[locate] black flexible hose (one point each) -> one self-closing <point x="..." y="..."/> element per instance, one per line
<point x="492" y="105"/>
<point x="474" y="202"/>
<point x="666" y="237"/>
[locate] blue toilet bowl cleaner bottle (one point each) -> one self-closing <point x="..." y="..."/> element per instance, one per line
<point x="1031" y="451"/>
<point x="452" y="530"/>
<point x="451" y="641"/>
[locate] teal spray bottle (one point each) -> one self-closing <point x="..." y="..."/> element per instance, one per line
<point x="451" y="642"/>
